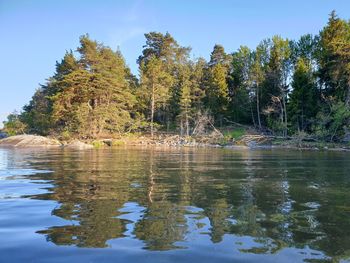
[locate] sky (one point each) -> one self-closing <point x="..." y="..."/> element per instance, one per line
<point x="34" y="34"/>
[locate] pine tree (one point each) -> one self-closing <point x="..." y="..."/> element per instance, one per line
<point x="165" y="48"/>
<point x="276" y="86"/>
<point x="240" y="86"/>
<point x="94" y="97"/>
<point x="257" y="77"/>
<point x="303" y="98"/>
<point x="216" y="78"/>
<point x="155" y="83"/>
<point x="334" y="58"/>
<point x="185" y="99"/>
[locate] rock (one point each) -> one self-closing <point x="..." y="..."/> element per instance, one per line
<point x="26" y="141"/>
<point x="3" y="135"/>
<point x="108" y="142"/>
<point x="252" y="144"/>
<point x="78" y="145"/>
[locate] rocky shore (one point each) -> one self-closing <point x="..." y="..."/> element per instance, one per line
<point x="166" y="140"/>
<point x="35" y="141"/>
<point x="26" y="141"/>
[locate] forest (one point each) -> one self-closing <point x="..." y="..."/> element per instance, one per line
<point x="282" y="87"/>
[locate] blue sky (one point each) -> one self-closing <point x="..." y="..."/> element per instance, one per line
<point x="36" y="33"/>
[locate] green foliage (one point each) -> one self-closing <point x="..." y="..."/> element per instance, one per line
<point x="334" y="58"/>
<point x="14" y="125"/>
<point x="217" y="90"/>
<point x="241" y="87"/>
<point x="281" y="86"/>
<point x="97" y="144"/>
<point x="303" y="99"/>
<point x="90" y="96"/>
<point x="155" y="84"/>
<point x="36" y="114"/>
<point x="334" y="122"/>
<point x="235" y="134"/>
<point x="118" y="143"/>
<point x="66" y="135"/>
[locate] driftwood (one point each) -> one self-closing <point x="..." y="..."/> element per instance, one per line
<point x="203" y="121"/>
<point x="262" y="139"/>
<point x="237" y="124"/>
<point x="253" y="139"/>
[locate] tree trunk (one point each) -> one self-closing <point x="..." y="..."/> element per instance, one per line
<point x="258" y="106"/>
<point x="285" y="117"/>
<point x="347" y="99"/>
<point x="187" y="125"/>
<point x="152" y="110"/>
<point x="167" y="118"/>
<point x="252" y="114"/>
<point x="181" y="127"/>
<point x="302" y="119"/>
<point x="281" y="114"/>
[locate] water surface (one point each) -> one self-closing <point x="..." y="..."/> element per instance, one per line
<point x="174" y="205"/>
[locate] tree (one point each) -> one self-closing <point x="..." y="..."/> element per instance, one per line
<point x="276" y="86"/>
<point x="303" y="98"/>
<point x="185" y="98"/>
<point x="333" y="120"/>
<point x="155" y="83"/>
<point x="240" y="86"/>
<point x="94" y="97"/>
<point x="13" y="125"/>
<point x="93" y="92"/>
<point x="162" y="46"/>
<point x="172" y="56"/>
<point x="37" y="114"/>
<point x="257" y="75"/>
<point x="217" y="93"/>
<point x="306" y="48"/>
<point x="219" y="56"/>
<point x="334" y="58"/>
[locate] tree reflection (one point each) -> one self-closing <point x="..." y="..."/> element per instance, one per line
<point x="265" y="197"/>
<point x="162" y="225"/>
<point x="97" y="224"/>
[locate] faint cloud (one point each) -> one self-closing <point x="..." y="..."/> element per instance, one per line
<point x="133" y="14"/>
<point x="133" y="23"/>
<point x="121" y="36"/>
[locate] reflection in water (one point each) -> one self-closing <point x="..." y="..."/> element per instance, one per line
<point x="173" y="199"/>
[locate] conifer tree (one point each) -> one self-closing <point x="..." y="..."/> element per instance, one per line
<point x="94" y="97"/>
<point x="217" y="93"/>
<point x="334" y="58"/>
<point x="155" y="83"/>
<point x="303" y="98"/>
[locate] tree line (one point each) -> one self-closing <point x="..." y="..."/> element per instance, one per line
<point x="281" y="87"/>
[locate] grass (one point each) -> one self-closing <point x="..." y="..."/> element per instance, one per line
<point x="235" y="134"/>
<point x="97" y="144"/>
<point x="118" y="143"/>
<point x="231" y="135"/>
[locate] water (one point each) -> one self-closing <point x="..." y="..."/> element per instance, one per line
<point x="174" y="205"/>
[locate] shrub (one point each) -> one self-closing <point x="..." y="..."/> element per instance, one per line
<point x="118" y="143"/>
<point x="97" y="144"/>
<point x="235" y="134"/>
<point x="14" y="125"/>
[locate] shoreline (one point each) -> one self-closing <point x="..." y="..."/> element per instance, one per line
<point x="172" y="141"/>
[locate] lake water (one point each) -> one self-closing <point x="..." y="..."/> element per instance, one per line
<point x="174" y="205"/>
